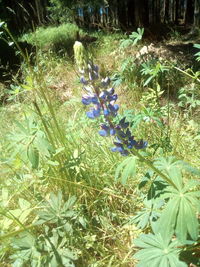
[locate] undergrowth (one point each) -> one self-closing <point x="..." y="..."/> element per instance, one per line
<point x="66" y="198"/>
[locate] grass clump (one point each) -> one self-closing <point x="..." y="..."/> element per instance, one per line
<point x="57" y="38"/>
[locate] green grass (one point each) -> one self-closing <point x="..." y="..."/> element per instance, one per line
<point x="58" y="39"/>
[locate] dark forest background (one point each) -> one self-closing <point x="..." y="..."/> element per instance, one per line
<point x="23" y="15"/>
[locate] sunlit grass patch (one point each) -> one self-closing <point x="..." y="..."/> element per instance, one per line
<point x="58" y="39"/>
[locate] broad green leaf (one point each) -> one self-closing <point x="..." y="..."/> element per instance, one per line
<point x="181" y="225"/>
<point x="166" y="224"/>
<point x="192" y="222"/>
<point x="24" y="215"/>
<point x="192" y="197"/>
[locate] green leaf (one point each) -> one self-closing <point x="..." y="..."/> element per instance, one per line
<point x="33" y="156"/>
<point x="170" y="166"/>
<point x="126" y="169"/>
<point x="25" y="241"/>
<point x="181" y="227"/>
<point x="157" y="251"/>
<point x="166" y="224"/>
<point x="24" y="204"/>
<point x="191" y="218"/>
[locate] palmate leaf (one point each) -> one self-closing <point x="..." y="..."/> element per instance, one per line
<point x="56" y="210"/>
<point x="180" y="214"/>
<point x="25" y="247"/>
<point x="126" y="169"/>
<point x="157" y="252"/>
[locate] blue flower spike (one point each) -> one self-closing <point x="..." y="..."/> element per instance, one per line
<point x="103" y="101"/>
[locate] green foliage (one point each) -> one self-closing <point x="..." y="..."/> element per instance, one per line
<point x="29" y="142"/>
<point x="152" y="96"/>
<point x="51" y="246"/>
<point x="53" y="148"/>
<point x="133" y="39"/>
<point x="56" y="211"/>
<point x="189" y="97"/>
<point x="126" y="169"/>
<point x="153" y="69"/>
<point x="126" y="74"/>
<point x="58" y="39"/>
<point x="149" y="214"/>
<point x="59" y="11"/>
<point x="198" y="53"/>
<point x="158" y="251"/>
<point x="179" y="214"/>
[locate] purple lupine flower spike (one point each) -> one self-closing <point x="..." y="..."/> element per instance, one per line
<point x="103" y="101"/>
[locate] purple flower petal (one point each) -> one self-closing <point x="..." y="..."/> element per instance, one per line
<point x="95" y="68"/>
<point x="113" y="108"/>
<point x="121" y="134"/>
<point x="112" y="131"/>
<point x="117" y="149"/>
<point x="106" y="112"/>
<point x="96" y="112"/>
<point x="105" y="127"/>
<point x="103" y="133"/>
<point x="111" y="91"/>
<point x="112" y="97"/>
<point x="94" y="99"/>
<point x="83" y="80"/>
<point x="123" y="124"/>
<point x="128" y="133"/>
<point x="105" y="82"/>
<point x="90" y="115"/>
<point x="116" y="107"/>
<point x="86" y="100"/>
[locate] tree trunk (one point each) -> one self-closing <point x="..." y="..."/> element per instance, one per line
<point x="122" y="14"/>
<point x="197" y="13"/>
<point x="189" y="12"/>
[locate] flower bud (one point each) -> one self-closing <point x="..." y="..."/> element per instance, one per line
<point x="80" y="55"/>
